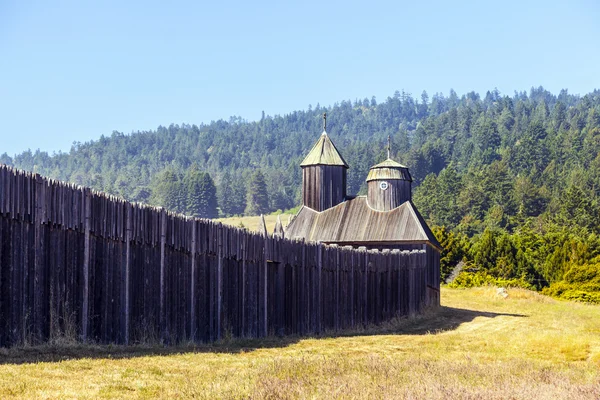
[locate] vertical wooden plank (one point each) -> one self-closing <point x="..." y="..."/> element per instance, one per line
<point x="15" y="270"/>
<point x="38" y="287"/>
<point x="219" y="278"/>
<point x="162" y="312"/>
<point x="337" y="288"/>
<point x="319" y="307"/>
<point x="263" y="288"/>
<point x="127" y="299"/>
<point x="366" y="288"/>
<point x="304" y="292"/>
<point x="3" y="264"/>
<point x="25" y="293"/>
<point x="253" y="285"/>
<point x="106" y="275"/>
<point x="436" y="261"/>
<point x="352" y="257"/>
<point x="411" y="283"/>
<point x="52" y="272"/>
<point x="296" y="288"/>
<point x="311" y="283"/>
<point x="211" y="273"/>
<point x="243" y="241"/>
<point x="193" y="283"/>
<point x="388" y="298"/>
<point x="281" y="293"/>
<point x="394" y="255"/>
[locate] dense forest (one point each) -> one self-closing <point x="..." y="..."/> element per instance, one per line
<point x="511" y="183"/>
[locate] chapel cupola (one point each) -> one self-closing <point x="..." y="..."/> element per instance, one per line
<point x="389" y="184"/>
<point x="323" y="174"/>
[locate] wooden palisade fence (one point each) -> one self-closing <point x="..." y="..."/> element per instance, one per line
<point x="81" y="263"/>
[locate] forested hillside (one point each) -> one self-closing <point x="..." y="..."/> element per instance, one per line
<point x="513" y="182"/>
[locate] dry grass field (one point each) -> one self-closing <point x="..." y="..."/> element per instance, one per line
<point x="478" y="345"/>
<point x="252" y="222"/>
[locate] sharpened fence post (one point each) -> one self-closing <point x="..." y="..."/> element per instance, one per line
<point x="129" y="211"/>
<point x="219" y="278"/>
<point x="193" y="284"/>
<point x="85" y="307"/>
<point x="163" y="235"/>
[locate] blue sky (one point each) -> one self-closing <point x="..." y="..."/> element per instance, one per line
<point x="74" y="70"/>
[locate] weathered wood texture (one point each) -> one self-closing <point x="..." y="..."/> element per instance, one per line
<point x="396" y="193"/>
<point x="83" y="264"/>
<point x="323" y="186"/>
<point x="355" y="223"/>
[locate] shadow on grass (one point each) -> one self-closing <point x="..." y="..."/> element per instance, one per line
<point x="442" y="319"/>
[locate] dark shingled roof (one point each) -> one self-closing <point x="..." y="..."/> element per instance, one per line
<point x="324" y="153"/>
<point x="353" y="221"/>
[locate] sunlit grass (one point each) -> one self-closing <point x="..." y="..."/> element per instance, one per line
<point x="479" y="345"/>
<point x="253" y="222"/>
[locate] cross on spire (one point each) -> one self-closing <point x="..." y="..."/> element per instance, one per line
<point x="389" y="146"/>
<point x="324" y="122"/>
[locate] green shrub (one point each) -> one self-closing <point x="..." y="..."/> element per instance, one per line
<point x="582" y="296"/>
<point x="467" y="279"/>
<point x="579" y="283"/>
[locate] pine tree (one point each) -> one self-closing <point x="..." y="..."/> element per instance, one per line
<point x="257" y="197"/>
<point x="192" y="181"/>
<point x="226" y="195"/>
<point x="239" y="196"/>
<point x="232" y="195"/>
<point x="209" y="209"/>
<point x="201" y="194"/>
<point x="168" y="191"/>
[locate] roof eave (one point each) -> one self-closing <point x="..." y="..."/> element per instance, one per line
<point x="324" y="164"/>
<point x="384" y="242"/>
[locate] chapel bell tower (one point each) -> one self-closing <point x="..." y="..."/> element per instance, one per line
<point x="389" y="184"/>
<point x="323" y="174"/>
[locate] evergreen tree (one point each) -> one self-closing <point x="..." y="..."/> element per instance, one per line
<point x="257" y="197"/>
<point x="239" y="196"/>
<point x="192" y="180"/>
<point x="202" y="194"/>
<point x="455" y="249"/>
<point x="5" y="159"/>
<point x="232" y="195"/>
<point x="226" y="195"/>
<point x="168" y="191"/>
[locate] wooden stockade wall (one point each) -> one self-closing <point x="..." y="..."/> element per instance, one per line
<point x="85" y="265"/>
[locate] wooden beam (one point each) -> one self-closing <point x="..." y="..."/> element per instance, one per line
<point x="127" y="300"/>
<point x="319" y="287"/>
<point x="219" y="278"/>
<point x="193" y="282"/>
<point x="337" y="288"/>
<point x="162" y="314"/>
<point x="85" y="307"/>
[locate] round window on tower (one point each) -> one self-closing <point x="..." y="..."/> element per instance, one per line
<point x="383" y="185"/>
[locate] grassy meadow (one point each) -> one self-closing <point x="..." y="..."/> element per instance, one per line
<point x="253" y="222"/>
<point x="478" y="345"/>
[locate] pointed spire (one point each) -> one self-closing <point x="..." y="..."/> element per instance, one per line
<point x="262" y="226"/>
<point x="278" y="231"/>
<point x="324" y="151"/>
